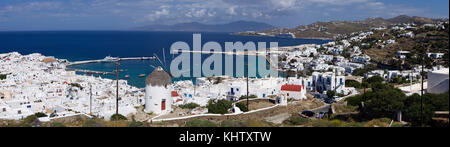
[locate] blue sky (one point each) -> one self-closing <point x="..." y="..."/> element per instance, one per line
<point x="125" y="14"/>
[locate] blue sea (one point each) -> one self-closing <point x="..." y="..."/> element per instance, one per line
<point x="89" y="45"/>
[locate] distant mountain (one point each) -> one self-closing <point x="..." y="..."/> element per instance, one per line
<point x="332" y="29"/>
<point x="237" y="26"/>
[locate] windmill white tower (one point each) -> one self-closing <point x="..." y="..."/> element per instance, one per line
<point x="157" y="92"/>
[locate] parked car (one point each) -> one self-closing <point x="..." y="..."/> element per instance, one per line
<point x="308" y="113"/>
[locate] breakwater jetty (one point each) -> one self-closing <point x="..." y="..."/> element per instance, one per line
<point x="109" y="59"/>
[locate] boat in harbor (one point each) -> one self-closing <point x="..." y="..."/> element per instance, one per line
<point x="127" y="76"/>
<point x="141" y="75"/>
<point x="109" y="58"/>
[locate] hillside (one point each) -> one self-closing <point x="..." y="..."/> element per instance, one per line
<point x="436" y="40"/>
<point x="333" y="29"/>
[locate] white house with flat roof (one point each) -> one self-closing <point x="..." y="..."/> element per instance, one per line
<point x="438" y="81"/>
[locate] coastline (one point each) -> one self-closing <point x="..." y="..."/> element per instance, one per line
<point x="316" y="38"/>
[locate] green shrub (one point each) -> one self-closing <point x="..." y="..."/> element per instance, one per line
<point x="40" y="114"/>
<point x="352" y="83"/>
<point x="200" y="123"/>
<point x="297" y="121"/>
<point x="189" y="106"/>
<point x="3" y="76"/>
<point x="114" y="118"/>
<point x="91" y="123"/>
<point x="331" y="94"/>
<point x="136" y="124"/>
<point x="58" y="124"/>
<point x="336" y="123"/>
<point x="229" y="123"/>
<point x="366" y="69"/>
<point x="221" y="107"/>
<point x="385" y="120"/>
<point x="244" y="97"/>
<point x="320" y="123"/>
<point x="30" y="121"/>
<point x="242" y="106"/>
<point x="375" y="79"/>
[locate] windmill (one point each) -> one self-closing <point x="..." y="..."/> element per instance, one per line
<point x="163" y="62"/>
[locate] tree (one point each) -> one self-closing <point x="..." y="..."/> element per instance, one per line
<point x="383" y="101"/>
<point x="366" y="69"/>
<point x="242" y="106"/>
<point x="352" y="83"/>
<point x="40" y="114"/>
<point x="432" y="103"/>
<point x="221" y="107"/>
<point x="375" y="79"/>
<point x="412" y="111"/>
<point x="331" y="93"/>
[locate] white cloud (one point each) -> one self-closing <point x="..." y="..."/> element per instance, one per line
<point x="290" y="12"/>
<point x="256" y="14"/>
<point x="158" y="14"/>
<point x="232" y="10"/>
<point x="338" y="2"/>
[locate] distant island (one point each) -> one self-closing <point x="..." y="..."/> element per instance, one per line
<point x="237" y="26"/>
<point x="334" y="29"/>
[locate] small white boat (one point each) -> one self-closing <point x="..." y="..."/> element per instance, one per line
<point x="109" y="58"/>
<point x="142" y="75"/>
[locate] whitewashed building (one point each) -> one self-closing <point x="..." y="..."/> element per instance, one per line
<point x="438" y="81"/>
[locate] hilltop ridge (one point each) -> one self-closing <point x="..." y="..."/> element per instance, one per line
<point x="333" y="29"/>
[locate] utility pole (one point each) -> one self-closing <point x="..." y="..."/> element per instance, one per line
<point x="335" y="82"/>
<point x="421" y="94"/>
<point x="247" y="88"/>
<point x="90" y="99"/>
<point x="117" y="90"/>
<point x="195" y="89"/>
<point x="422" y="77"/>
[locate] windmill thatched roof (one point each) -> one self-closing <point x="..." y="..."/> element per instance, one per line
<point x="158" y="77"/>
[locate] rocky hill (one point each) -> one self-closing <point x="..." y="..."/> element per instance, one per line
<point x="333" y="29"/>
